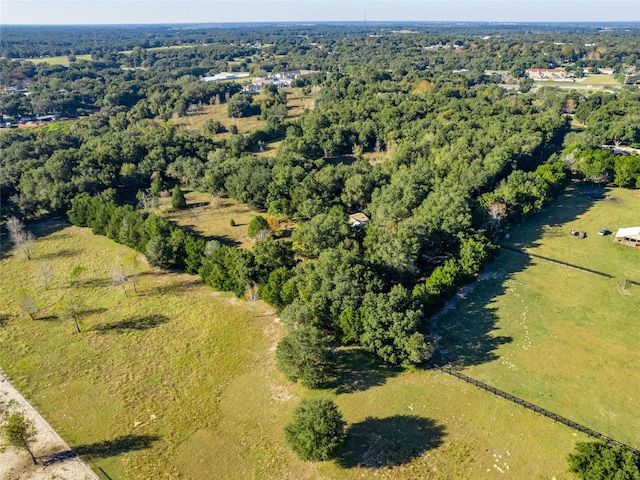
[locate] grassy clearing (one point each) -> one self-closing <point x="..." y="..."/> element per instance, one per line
<point x="158" y="49"/>
<point x="210" y="222"/>
<point x="148" y="372"/>
<point x="296" y="104"/>
<point x="599" y="79"/>
<point x="555" y="336"/>
<point x="61" y="60"/>
<point x="195" y="121"/>
<point x="179" y="381"/>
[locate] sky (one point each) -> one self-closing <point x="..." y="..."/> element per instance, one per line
<point x="61" y="12"/>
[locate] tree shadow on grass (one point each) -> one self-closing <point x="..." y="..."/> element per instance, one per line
<point x="357" y="370"/>
<point x="89" y="283"/>
<point x="466" y="331"/>
<point x="223" y="239"/>
<point x="389" y="442"/>
<point x="569" y="206"/>
<point x="92" y="311"/>
<point x="48" y="226"/>
<point x="469" y="330"/>
<point x="64" y="253"/>
<point x="175" y="287"/>
<point x="144" y="322"/>
<point x="39" y="229"/>
<point x="191" y="206"/>
<point x="112" y="448"/>
<point x="58" y="457"/>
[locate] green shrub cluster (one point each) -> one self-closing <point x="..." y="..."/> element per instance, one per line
<point x="165" y="244"/>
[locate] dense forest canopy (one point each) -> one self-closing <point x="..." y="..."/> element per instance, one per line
<point x="431" y="131"/>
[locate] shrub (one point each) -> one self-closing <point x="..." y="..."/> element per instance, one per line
<point x="600" y="461"/>
<point x="317" y="429"/>
<point x="177" y="198"/>
<point x="257" y="224"/>
<point x="305" y="354"/>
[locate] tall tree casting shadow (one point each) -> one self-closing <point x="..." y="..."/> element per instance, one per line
<point x="120" y="445"/>
<point x="357" y="370"/>
<point x="389" y="442"/>
<point x="467" y="332"/>
<point x="144" y="322"/>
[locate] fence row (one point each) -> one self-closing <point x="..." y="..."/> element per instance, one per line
<point x="565" y="264"/>
<point x="530" y="406"/>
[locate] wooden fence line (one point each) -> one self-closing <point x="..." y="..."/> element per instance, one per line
<point x="537" y="409"/>
<point x="559" y="262"/>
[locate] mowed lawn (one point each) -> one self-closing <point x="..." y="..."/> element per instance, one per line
<point x="179" y="381"/>
<point x="558" y="337"/>
<point x="599" y="79"/>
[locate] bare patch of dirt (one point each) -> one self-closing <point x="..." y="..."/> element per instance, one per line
<point x="56" y="460"/>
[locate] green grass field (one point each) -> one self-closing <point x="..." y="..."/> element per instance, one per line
<point x="296" y="104"/>
<point x="558" y="337"/>
<point x="61" y="60"/>
<point x="179" y="381"/>
<point x="599" y="79"/>
<point x="211" y="221"/>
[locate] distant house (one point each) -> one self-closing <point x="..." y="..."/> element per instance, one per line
<point x="606" y="71"/>
<point x="503" y="74"/>
<point x="547" y="73"/>
<point x="258" y="83"/>
<point x="629" y="236"/>
<point x="358" y="219"/>
<point x="290" y="75"/>
<point x="220" y="77"/>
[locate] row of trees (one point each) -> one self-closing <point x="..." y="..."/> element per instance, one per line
<point x="603" y="166"/>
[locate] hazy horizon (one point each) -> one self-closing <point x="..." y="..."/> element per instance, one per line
<point x="123" y="12"/>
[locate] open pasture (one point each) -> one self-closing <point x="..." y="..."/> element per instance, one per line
<point x="178" y="381"/>
<point x="558" y="337"/>
<point x="296" y="105"/>
<point x="60" y="60"/>
<point x="588" y="209"/>
<point x="211" y="218"/>
<point x="599" y="79"/>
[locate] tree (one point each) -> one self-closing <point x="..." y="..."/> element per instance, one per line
<point x="21" y="239"/>
<point x="20" y="432"/>
<point x="157" y="252"/>
<point x="317" y="429"/>
<point x="305" y="354"/>
<point x="600" y="461"/>
<point x="257" y="224"/>
<point x="322" y="232"/>
<point x="211" y="127"/>
<point x="131" y="268"/>
<point x="240" y="106"/>
<point x="69" y="309"/>
<point x="28" y="303"/>
<point x="252" y="297"/>
<point x="119" y="278"/>
<point x="44" y="275"/>
<point x="390" y="327"/>
<point x="177" y="198"/>
<point x="272" y="291"/>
